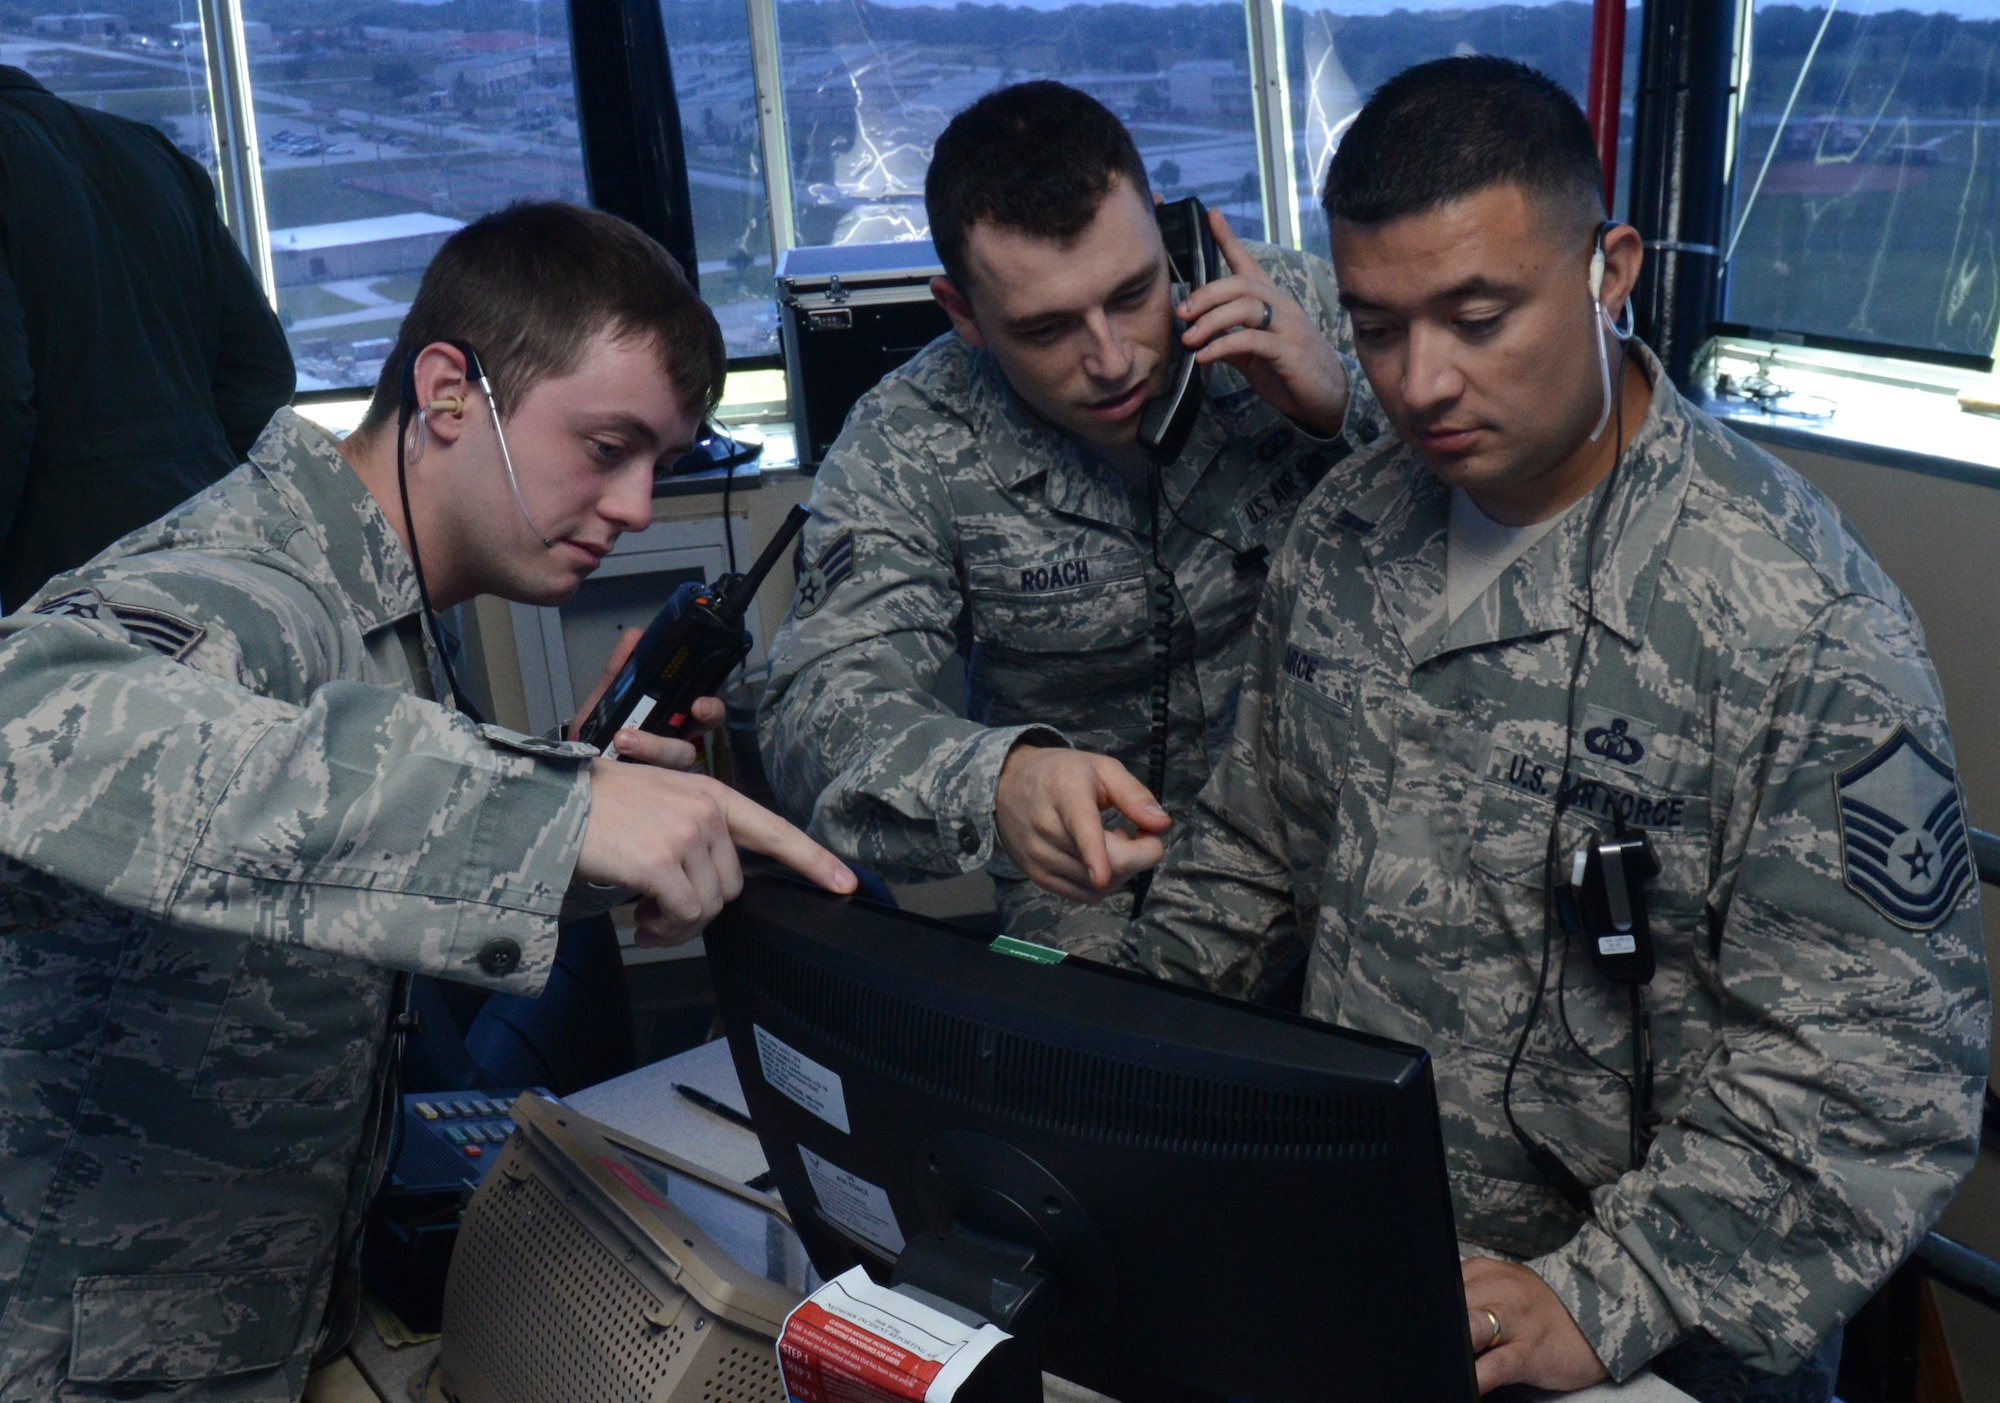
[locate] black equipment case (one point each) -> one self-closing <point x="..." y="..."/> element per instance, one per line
<point x="850" y="314"/>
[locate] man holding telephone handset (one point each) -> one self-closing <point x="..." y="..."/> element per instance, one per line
<point x="1052" y="491"/>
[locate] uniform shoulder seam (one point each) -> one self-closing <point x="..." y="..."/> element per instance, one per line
<point x="1864" y="577"/>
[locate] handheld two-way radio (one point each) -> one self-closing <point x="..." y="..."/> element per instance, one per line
<point x="1605" y="902"/>
<point x="693" y="644"/>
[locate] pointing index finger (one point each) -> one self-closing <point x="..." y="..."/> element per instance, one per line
<point x="755" y="827"/>
<point x="1086" y="831"/>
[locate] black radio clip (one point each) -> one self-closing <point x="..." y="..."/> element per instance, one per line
<point x="1605" y="901"/>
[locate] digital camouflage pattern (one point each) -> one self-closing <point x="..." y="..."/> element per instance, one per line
<point x="228" y="809"/>
<point x="948" y="516"/>
<point x="1385" y="806"/>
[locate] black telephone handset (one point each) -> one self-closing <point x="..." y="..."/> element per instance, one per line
<point x="1193" y="261"/>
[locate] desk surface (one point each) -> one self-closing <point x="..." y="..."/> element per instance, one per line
<point x="644" y="1105"/>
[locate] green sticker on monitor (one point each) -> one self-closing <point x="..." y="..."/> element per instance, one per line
<point x="1028" y="950"/>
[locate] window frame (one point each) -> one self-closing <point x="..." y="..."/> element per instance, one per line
<point x="637" y="167"/>
<point x="1839" y="349"/>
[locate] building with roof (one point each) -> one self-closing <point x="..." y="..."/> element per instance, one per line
<point x="358" y="248"/>
<point x="95" y="26"/>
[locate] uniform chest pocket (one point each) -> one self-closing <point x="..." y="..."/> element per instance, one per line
<point x="1317" y="704"/>
<point x="1511" y="864"/>
<point x="297" y="1025"/>
<point x="1080" y="605"/>
<point x="1517" y="803"/>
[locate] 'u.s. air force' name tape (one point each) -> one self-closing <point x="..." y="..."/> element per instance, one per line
<point x="1588" y="798"/>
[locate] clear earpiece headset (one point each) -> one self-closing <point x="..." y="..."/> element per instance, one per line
<point x="475" y="371"/>
<point x="1622" y="332"/>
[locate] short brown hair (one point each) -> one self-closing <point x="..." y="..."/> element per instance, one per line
<point x="1038" y="157"/>
<point x="527" y="287"/>
<point x="1440" y="131"/>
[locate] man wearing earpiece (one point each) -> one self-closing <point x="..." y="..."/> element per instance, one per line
<point x="1585" y="746"/>
<point x="994" y="496"/>
<point x="239" y="797"/>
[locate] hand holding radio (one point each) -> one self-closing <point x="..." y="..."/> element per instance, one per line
<point x="669" y="836"/>
<point x="1247" y="321"/>
<point x="644" y="747"/>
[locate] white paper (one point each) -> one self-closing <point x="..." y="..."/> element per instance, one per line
<point x="800" y="1079"/>
<point x="909" y="1341"/>
<point x="854" y="1203"/>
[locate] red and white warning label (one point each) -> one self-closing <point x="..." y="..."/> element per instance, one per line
<point x="852" y="1341"/>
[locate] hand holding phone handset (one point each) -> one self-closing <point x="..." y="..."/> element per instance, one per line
<point x="688" y="651"/>
<point x="1244" y="318"/>
<point x="1193" y="262"/>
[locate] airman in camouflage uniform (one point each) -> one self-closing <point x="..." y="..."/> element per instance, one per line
<point x="1755" y="695"/>
<point x="949" y="516"/>
<point x="196" y="995"/>
<point x="232" y="805"/>
<point x="1559" y="608"/>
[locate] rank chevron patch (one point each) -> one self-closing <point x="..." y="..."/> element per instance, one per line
<point x="835" y="564"/>
<point x="156" y="628"/>
<point x="1903" y="843"/>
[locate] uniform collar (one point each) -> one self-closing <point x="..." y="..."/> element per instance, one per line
<point x="1403" y="522"/>
<point x="15" y="78"/>
<point x="1078" y="482"/>
<point x="363" y="554"/>
<point x="1028" y="444"/>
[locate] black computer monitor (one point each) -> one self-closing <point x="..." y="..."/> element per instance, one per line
<point x="1227" y="1200"/>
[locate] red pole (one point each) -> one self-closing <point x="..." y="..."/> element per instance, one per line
<point x="1607" y="78"/>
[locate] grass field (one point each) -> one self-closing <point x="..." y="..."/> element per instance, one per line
<point x="1909" y="262"/>
<point x="305" y="195"/>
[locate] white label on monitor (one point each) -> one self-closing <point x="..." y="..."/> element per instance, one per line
<point x="852" y="1202"/>
<point x="799" y="1078"/>
<point x="1616" y="944"/>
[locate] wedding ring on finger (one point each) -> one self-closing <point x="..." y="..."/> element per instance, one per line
<point x="1494" y="1321"/>
<point x="1265" y="324"/>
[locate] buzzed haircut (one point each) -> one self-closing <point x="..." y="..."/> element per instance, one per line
<point x="1038" y="157"/>
<point x="528" y="287"/>
<point x="1440" y="131"/>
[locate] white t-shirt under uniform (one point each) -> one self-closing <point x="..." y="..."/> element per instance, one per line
<point x="1479" y="549"/>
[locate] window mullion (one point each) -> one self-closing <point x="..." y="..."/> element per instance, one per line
<point x="234" y="120"/>
<point x="771" y="123"/>
<point x="1270" y="104"/>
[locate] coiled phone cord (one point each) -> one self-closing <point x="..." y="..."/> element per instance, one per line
<point x="1163" y="673"/>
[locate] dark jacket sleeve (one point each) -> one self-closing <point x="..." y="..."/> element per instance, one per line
<point x="17" y="402"/>
<point x="254" y="377"/>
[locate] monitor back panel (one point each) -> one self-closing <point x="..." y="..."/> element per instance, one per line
<point x="1238" y="1200"/>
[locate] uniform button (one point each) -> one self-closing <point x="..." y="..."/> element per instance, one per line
<point x="500" y="955"/>
<point x="968" y="839"/>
